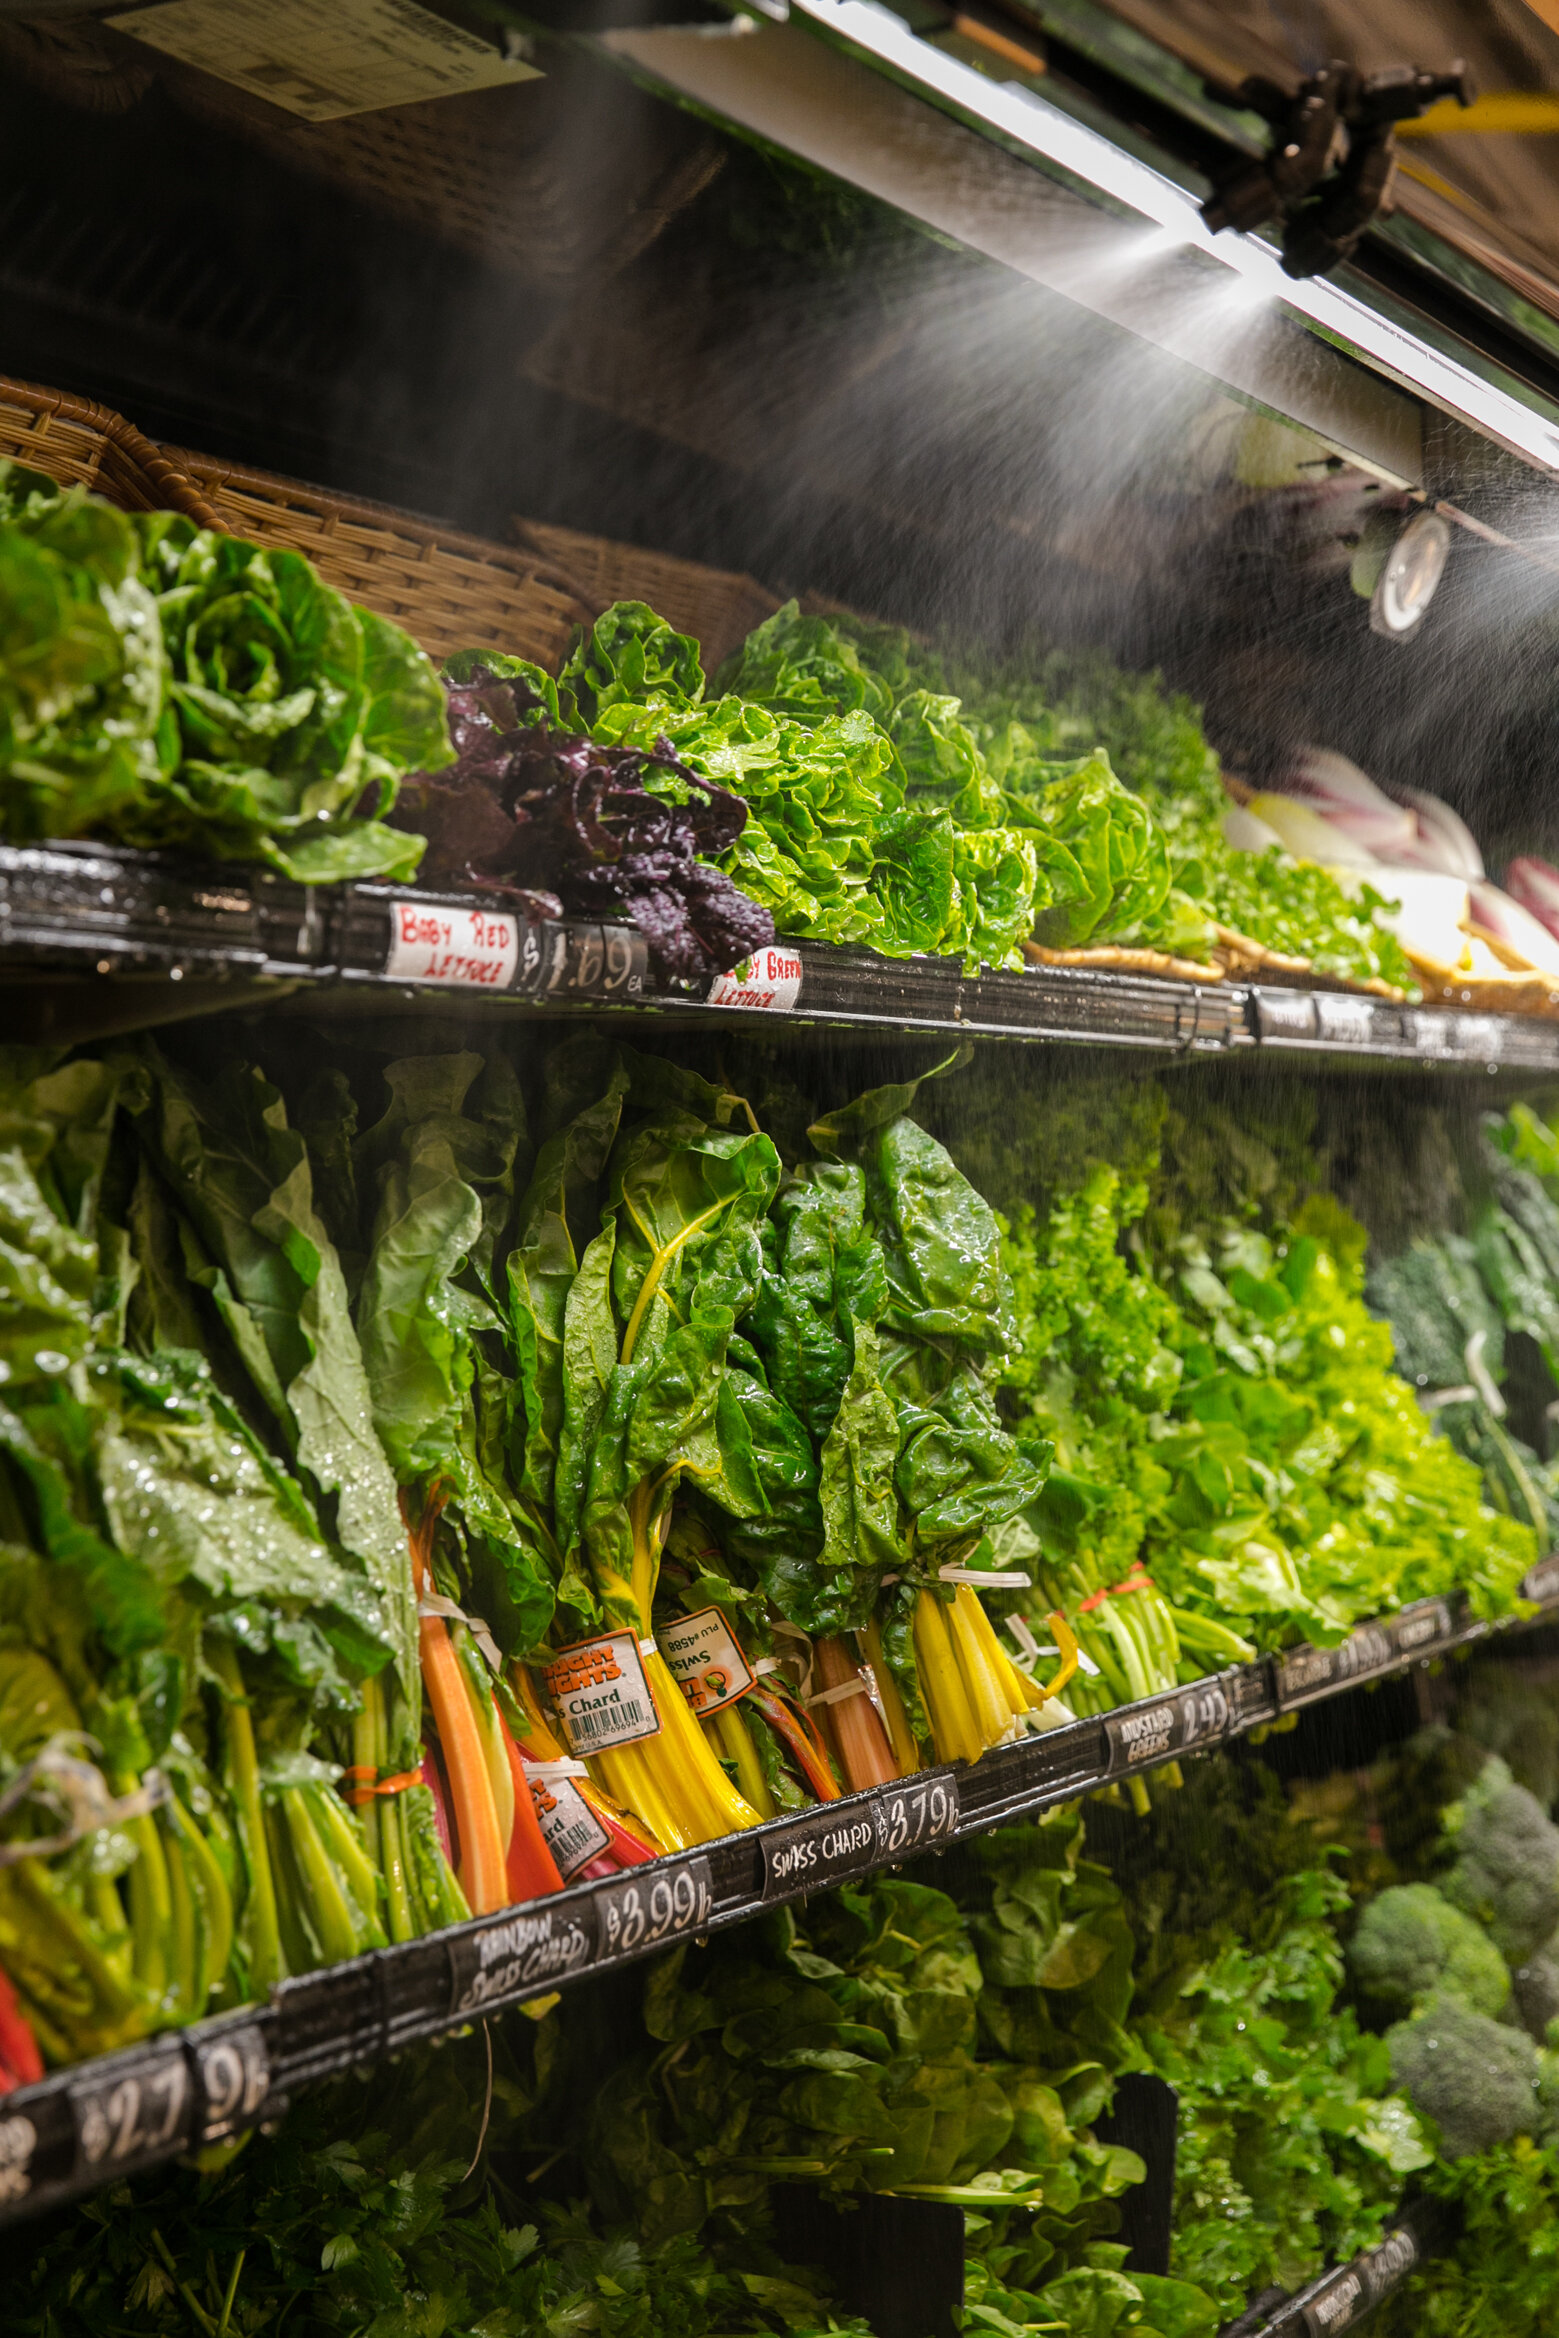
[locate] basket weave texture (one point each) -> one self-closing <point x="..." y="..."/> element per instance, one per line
<point x="717" y="606"/>
<point x="86" y="445"/>
<point x="450" y="591"/>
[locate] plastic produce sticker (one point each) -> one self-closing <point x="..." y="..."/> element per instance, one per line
<point x="705" y="1660"/>
<point x="322" y="62"/>
<point x="469" y="949"/>
<point x="770" y="978"/>
<point x="601" y="1693"/>
<point x="569" y="1827"/>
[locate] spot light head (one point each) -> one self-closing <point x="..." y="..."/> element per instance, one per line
<point x="1397" y="568"/>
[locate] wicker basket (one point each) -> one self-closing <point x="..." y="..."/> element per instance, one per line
<point x="716" y="605"/>
<point x="450" y="591"/>
<point x="87" y="445"/>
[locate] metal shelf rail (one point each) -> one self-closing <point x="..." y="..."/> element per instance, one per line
<point x="98" y="926"/>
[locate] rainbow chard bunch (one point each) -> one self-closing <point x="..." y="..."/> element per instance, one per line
<point x="565" y="823"/>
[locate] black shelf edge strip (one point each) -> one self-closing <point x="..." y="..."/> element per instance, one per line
<point x="104" y="914"/>
<point x="1343" y="2296"/>
<point x="87" y="2126"/>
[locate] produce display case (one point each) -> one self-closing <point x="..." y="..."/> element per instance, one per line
<point x="904" y="324"/>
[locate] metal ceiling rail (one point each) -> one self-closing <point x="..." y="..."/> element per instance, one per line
<point x="847" y="86"/>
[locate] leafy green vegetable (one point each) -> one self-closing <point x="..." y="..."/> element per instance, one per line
<point x="166" y="685"/>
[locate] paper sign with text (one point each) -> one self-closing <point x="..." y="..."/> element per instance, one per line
<point x="770" y="978"/>
<point x="467" y="949"/>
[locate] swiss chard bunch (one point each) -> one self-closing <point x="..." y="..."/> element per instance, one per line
<point x="564" y="822"/>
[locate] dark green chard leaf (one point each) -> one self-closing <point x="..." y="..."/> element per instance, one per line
<point x="823" y="1272"/>
<point x="861" y="1539"/>
<point x="942" y="1242"/>
<point x="425" y="1316"/>
<point x="541" y="1271"/>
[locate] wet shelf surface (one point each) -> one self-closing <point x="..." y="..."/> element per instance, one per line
<point x="94" y="938"/>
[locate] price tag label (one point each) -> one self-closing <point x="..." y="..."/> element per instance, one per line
<point x="649" y="1908"/>
<point x="18" y="2142"/>
<point x="562" y="959"/>
<point x="1420" y="1629"/>
<point x="1347" y="1022"/>
<point x="602" y="1693"/>
<point x="1140" y="1735"/>
<point x="1478" y="1036"/>
<point x="915" y="1814"/>
<point x="845" y="1838"/>
<point x="705" y="1660"/>
<point x="1307" y="1673"/>
<point x="1355" y="2289"/>
<point x="516" y="1955"/>
<point x="464" y="949"/>
<point x="770" y="978"/>
<point x="234" y="2074"/>
<point x="1541" y="1583"/>
<point x="1285" y="1014"/>
<point x="134" y="2111"/>
<point x="569" y="1827"/>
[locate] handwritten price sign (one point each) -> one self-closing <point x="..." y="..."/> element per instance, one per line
<point x="464" y="949"/>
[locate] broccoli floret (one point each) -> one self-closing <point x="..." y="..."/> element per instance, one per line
<point x="1518" y="1721"/>
<point x="1412" y="1944"/>
<point x="1507" y="1868"/>
<point x="1476" y="2078"/>
<point x="1537" y="1994"/>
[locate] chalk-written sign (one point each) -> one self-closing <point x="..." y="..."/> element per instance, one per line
<point x="1162" y="1727"/>
<point x="518" y="1954"/>
<point x="525" y="1952"/>
<point x="133" y="2111"/>
<point x="1305" y="1674"/>
<point x="1354" y="2289"/>
<point x="842" y="1839"/>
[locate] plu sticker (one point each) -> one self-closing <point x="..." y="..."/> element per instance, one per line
<point x="705" y="1660"/>
<point x="569" y="1827"/>
<point x="601" y="1693"/>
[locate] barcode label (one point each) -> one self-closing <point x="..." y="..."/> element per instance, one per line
<point x="569" y="1827"/>
<point x="704" y="1660"/>
<point x="602" y="1693"/>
